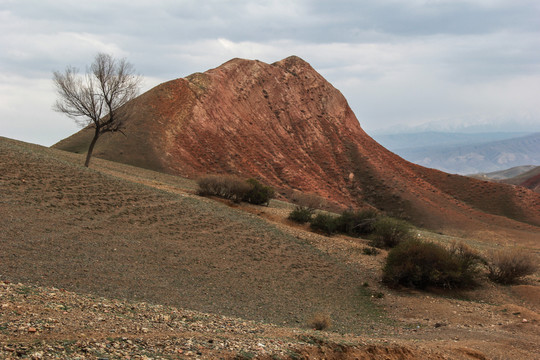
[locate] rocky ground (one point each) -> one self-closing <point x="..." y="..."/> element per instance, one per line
<point x="51" y="323"/>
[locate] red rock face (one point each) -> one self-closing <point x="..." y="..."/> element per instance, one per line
<point x="284" y="124"/>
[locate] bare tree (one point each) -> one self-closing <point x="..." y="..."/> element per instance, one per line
<point x="99" y="98"/>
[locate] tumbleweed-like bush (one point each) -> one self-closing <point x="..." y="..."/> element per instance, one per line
<point x="509" y="266"/>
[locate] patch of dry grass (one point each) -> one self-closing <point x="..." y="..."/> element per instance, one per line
<point x="510" y="265"/>
<point x="320" y="321"/>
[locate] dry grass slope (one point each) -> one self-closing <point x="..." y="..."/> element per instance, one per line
<point x="80" y="229"/>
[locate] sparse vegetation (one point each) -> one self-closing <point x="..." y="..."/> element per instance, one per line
<point x="225" y="186"/>
<point x="138" y="212"/>
<point x="385" y="232"/>
<point x="301" y="214"/>
<point x="320" y="321"/>
<point x="389" y="232"/>
<point x="324" y="223"/>
<point x="259" y="193"/>
<point x="419" y="264"/>
<point x="509" y="266"/>
<point x="235" y="189"/>
<point x="357" y="223"/>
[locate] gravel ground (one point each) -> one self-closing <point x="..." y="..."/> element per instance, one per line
<point x="52" y="323"/>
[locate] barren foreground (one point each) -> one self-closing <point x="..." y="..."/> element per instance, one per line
<point x="110" y="258"/>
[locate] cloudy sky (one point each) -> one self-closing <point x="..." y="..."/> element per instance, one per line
<point x="400" y="63"/>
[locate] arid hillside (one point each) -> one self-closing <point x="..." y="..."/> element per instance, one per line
<point x="122" y="262"/>
<point x="68" y="226"/>
<point x="286" y="125"/>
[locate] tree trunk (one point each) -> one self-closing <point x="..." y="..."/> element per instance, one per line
<point x="91" y="148"/>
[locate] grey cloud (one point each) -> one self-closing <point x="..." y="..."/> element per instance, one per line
<point x="379" y="52"/>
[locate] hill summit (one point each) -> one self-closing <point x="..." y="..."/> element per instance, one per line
<point x="286" y="125"/>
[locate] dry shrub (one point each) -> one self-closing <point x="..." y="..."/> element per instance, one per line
<point x="357" y="223"/>
<point x="325" y="223"/>
<point x="419" y="264"/>
<point x="320" y="321"/>
<point x="310" y="201"/>
<point x="301" y="214"/>
<point x="306" y="204"/>
<point x="389" y="232"/>
<point x="508" y="266"/>
<point x="225" y="186"/>
<point x="468" y="255"/>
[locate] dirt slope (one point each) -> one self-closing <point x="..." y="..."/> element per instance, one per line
<point x="67" y="226"/>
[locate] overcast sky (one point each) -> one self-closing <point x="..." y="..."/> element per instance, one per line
<point x="399" y="63"/>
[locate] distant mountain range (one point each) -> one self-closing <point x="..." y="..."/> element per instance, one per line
<point x="463" y="153"/>
<point x="507" y="174"/>
<point x="527" y="176"/>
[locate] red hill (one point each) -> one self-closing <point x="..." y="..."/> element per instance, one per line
<point x="286" y="125"/>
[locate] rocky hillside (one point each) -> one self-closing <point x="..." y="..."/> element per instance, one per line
<point x="286" y="125"/>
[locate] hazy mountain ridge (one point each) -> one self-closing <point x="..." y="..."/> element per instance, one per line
<point x="526" y="176"/>
<point x="466" y="154"/>
<point x="507" y="174"/>
<point x="402" y="141"/>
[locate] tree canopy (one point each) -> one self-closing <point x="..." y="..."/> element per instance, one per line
<point x="99" y="98"/>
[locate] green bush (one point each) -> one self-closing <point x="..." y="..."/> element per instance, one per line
<point x="357" y="223"/>
<point x="389" y="232"/>
<point x="419" y="264"/>
<point x="301" y="214"/>
<point x="324" y="223"/>
<point x="258" y="193"/>
<point x="225" y="186"/>
<point x="508" y="266"/>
